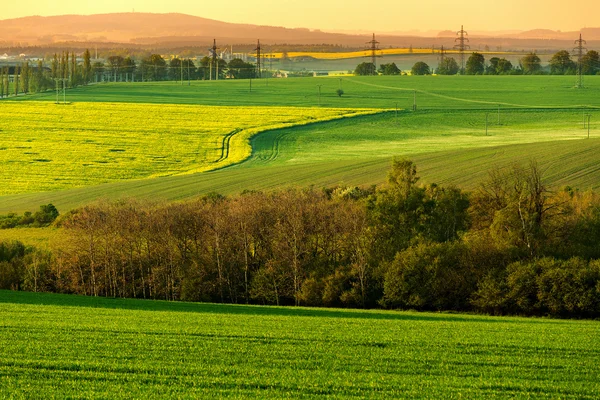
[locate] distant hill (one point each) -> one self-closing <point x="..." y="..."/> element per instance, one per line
<point x="146" y="29"/>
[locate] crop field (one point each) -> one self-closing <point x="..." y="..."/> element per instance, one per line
<point x="432" y="92"/>
<point x="539" y="117"/>
<point x="62" y="346"/>
<point x="48" y="147"/>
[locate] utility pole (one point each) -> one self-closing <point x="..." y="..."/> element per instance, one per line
<point x="258" y="66"/>
<point x="189" y="78"/>
<point x="373" y="49"/>
<point x="461" y="45"/>
<point x="181" y="70"/>
<point x="579" y="53"/>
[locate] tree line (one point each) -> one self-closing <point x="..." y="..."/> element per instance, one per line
<point x="509" y="247"/>
<point x="65" y="69"/>
<point x="561" y="63"/>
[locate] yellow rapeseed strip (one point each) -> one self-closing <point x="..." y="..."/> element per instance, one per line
<point x="44" y="146"/>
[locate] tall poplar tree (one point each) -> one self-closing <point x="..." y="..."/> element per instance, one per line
<point x="87" y="67"/>
<point x="25" y="75"/>
<point x="16" y="80"/>
<point x="73" y="71"/>
<point x="1" y="82"/>
<point x="54" y="66"/>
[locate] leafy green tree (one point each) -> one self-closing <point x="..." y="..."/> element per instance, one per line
<point x="175" y="69"/>
<point x="365" y="68"/>
<point x="420" y="68"/>
<point x="239" y="69"/>
<point x="1" y="82"/>
<point x="389" y="69"/>
<point x="46" y="215"/>
<point x="16" y="80"/>
<point x="492" y="69"/>
<point x="531" y="64"/>
<point x="25" y="77"/>
<point x="475" y="64"/>
<point x="87" y="67"/>
<point x="39" y="80"/>
<point x="115" y="63"/>
<point x="499" y="66"/>
<point x="429" y="276"/>
<point x="448" y="66"/>
<point x="154" y="68"/>
<point x="504" y="67"/>
<point x="99" y="69"/>
<point x="54" y="67"/>
<point x="74" y="75"/>
<point x="128" y="68"/>
<point x="590" y="63"/>
<point x="561" y="63"/>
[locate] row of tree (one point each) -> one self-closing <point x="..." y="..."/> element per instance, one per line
<point x="64" y="69"/>
<point x="509" y="247"/>
<point x="561" y="63"/>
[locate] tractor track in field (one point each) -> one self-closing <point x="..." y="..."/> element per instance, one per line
<point x="225" y="144"/>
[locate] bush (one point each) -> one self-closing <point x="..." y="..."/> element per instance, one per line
<point x="429" y="276"/>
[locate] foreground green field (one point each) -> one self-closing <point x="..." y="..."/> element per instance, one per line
<point x="69" y="346"/>
<point x="48" y="147"/>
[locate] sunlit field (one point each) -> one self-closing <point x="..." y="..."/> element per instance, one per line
<point x="48" y="147"/>
<point x="71" y="346"/>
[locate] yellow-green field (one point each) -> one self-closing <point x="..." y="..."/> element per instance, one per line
<point x="366" y="53"/>
<point x="44" y="146"/>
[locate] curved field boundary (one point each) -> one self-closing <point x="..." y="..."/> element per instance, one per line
<point x="237" y="147"/>
<point x="493" y="103"/>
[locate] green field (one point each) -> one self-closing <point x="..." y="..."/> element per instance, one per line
<point x="440" y="92"/>
<point x="541" y="117"/>
<point x="58" y="346"/>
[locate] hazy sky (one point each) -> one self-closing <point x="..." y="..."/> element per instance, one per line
<point x="375" y="15"/>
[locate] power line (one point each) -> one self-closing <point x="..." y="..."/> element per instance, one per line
<point x="373" y="49"/>
<point x="579" y="53"/>
<point x="258" y="66"/>
<point x="461" y="46"/>
<point x="214" y="62"/>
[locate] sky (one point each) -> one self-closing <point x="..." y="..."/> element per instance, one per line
<point x="348" y="15"/>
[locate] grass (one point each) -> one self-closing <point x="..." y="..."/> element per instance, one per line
<point x="541" y="117"/>
<point x="358" y="152"/>
<point x="49" y="147"/>
<point x="439" y="92"/>
<point x="71" y="346"/>
<point x="41" y="238"/>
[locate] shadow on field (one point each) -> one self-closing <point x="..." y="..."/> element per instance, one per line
<point x="49" y="299"/>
